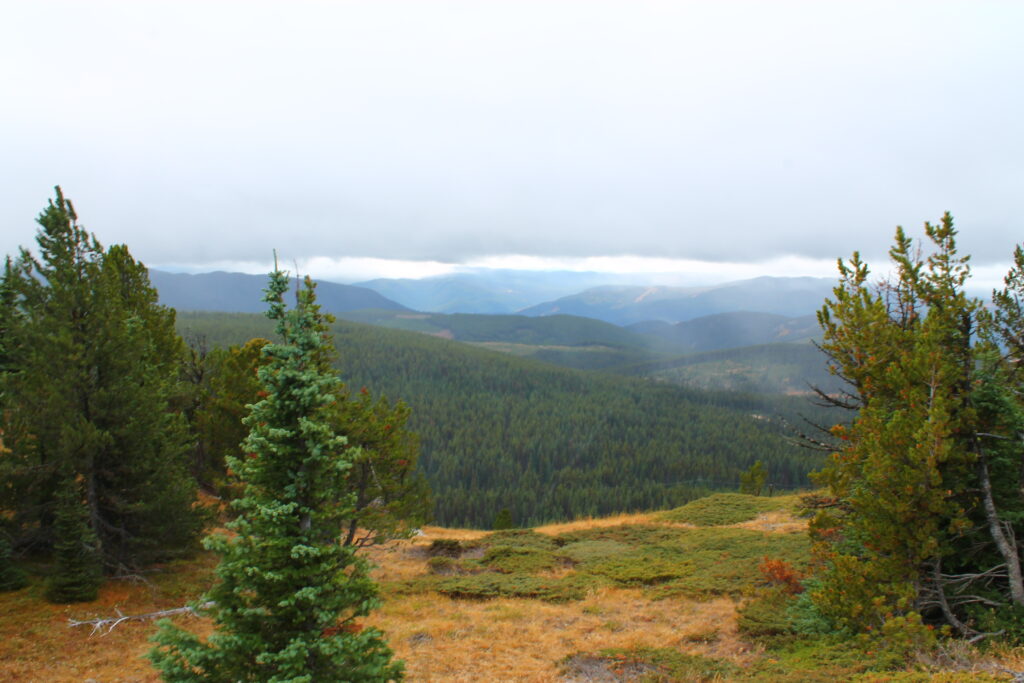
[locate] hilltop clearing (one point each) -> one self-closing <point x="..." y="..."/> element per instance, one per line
<point x="631" y="597"/>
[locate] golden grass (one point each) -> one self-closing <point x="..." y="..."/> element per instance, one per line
<point x="596" y="523"/>
<point x="775" y="522"/>
<point x="434" y="532"/>
<point x="524" y="640"/>
<point x="438" y="638"/>
<point x="36" y="643"/>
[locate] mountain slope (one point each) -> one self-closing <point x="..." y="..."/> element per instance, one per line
<point x="561" y="330"/>
<point x="241" y="293"/>
<point x="730" y="330"/>
<point x="486" y="290"/>
<point x="770" y="368"/>
<point x="549" y="443"/>
<point x="624" y="305"/>
<point x="566" y="340"/>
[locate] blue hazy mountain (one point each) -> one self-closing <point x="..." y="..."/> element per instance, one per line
<point x="488" y="291"/>
<point x="242" y="293"/>
<point x="628" y="304"/>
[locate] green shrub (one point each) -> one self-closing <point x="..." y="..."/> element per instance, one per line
<point x="668" y="664"/>
<point x="490" y="586"/>
<point x="585" y="552"/>
<point x="640" y="568"/>
<point x="519" y="538"/>
<point x="900" y="640"/>
<point x="447" y="547"/>
<point x="1008" y="619"/>
<point x="767" y="617"/>
<point x="726" y="508"/>
<point x="726" y="561"/>
<point x="629" y="534"/>
<point x="11" y="576"/>
<point x="515" y="560"/>
<point x="447" y="566"/>
<point x="441" y="564"/>
<point x="503" y="520"/>
<point x="817" y="660"/>
<point x="804" y="615"/>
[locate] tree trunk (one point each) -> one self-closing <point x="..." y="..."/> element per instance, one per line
<point x="1007" y="545"/>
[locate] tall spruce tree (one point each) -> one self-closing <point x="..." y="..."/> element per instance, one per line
<point x="90" y="365"/>
<point x="289" y="590"/>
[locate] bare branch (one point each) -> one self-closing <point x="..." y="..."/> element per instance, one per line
<point x="103" y="626"/>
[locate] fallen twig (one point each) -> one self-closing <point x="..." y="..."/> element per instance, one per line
<point x="105" y="625"/>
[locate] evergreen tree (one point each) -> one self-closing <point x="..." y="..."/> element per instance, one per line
<point x="289" y="590"/>
<point x="11" y="577"/>
<point x="220" y="384"/>
<point x="91" y="368"/>
<point x="503" y="520"/>
<point x="753" y="480"/>
<point x="392" y="498"/>
<point x="916" y="501"/>
<point x="77" y="571"/>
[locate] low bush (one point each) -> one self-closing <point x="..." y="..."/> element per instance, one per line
<point x="781" y="573"/>
<point x="667" y="664"/>
<point x="766" y="617"/>
<point x="445" y="547"/>
<point x="627" y="534"/>
<point x="516" y="560"/>
<point x="725" y="561"/>
<point x="492" y="585"/>
<point x="640" y="568"/>
<point x="447" y="566"/>
<point x="586" y="552"/>
<point x="726" y="508"/>
<point x="519" y="538"/>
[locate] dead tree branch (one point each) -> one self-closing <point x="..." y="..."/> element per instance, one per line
<point x="105" y="625"/>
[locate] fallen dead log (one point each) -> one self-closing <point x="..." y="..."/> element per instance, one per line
<point x="105" y="625"/>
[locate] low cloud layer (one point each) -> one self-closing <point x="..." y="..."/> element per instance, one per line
<point x="733" y="132"/>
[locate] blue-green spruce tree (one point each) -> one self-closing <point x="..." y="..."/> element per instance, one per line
<point x="289" y="590"/>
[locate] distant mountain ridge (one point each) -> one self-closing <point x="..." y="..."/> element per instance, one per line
<point x="729" y="330"/>
<point x="243" y="293"/>
<point x="625" y="305"/>
<point x="496" y="291"/>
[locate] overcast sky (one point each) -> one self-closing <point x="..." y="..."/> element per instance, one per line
<point x="358" y="137"/>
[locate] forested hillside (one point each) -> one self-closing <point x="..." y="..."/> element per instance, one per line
<point x="766" y="368"/>
<point x="730" y="330"/>
<point x="567" y="340"/>
<point x="546" y="442"/>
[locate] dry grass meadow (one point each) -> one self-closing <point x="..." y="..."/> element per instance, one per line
<point x="439" y="638"/>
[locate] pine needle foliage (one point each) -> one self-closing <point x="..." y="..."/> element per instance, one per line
<point x="88" y="368"/>
<point x="77" y="573"/>
<point x="927" y="478"/>
<point x="289" y="590"/>
<point x="11" y="576"/>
